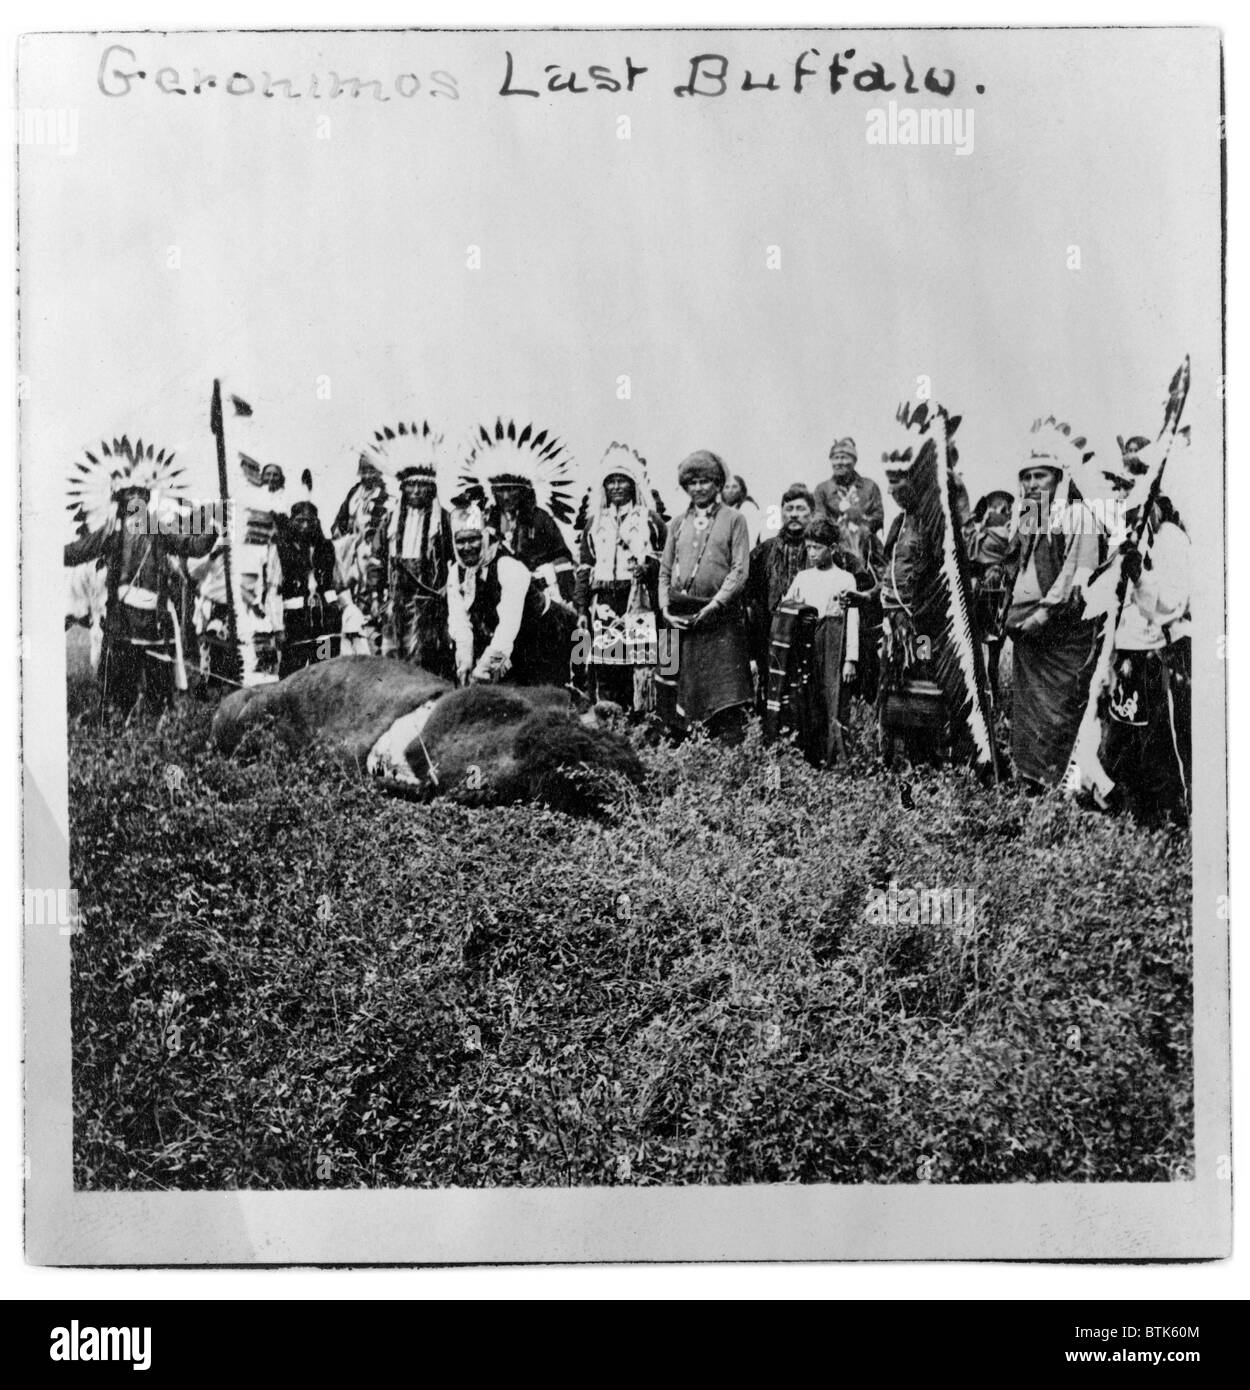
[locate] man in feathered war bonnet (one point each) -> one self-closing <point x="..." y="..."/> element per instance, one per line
<point x="931" y="692"/>
<point x="617" y="577"/>
<point x="502" y="624"/>
<point x="904" y="545"/>
<point x="1146" y="747"/>
<point x="529" y="532"/>
<point x="529" y="475"/>
<point x="416" y="539"/>
<point x="141" y="653"/>
<point x="702" y="576"/>
<point x="905" y="565"/>
<point x="1056" y="546"/>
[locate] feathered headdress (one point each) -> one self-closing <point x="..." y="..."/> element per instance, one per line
<point x="944" y="610"/>
<point x="538" y="461"/>
<point x="1053" y="445"/>
<point x="915" y="425"/>
<point x="95" y="485"/>
<point x="306" y="499"/>
<point x="629" y="463"/>
<point x="407" y="449"/>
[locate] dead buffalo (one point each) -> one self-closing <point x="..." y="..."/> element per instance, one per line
<point x="420" y="736"/>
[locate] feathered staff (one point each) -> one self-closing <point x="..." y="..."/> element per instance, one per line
<point x="1108" y="590"/>
<point x="944" y="610"/>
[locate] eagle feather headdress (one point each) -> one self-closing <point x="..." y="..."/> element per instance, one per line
<point x="944" y="610"/>
<point x="1052" y="444"/>
<point x="511" y="454"/>
<point x="408" y="448"/>
<point x="622" y="459"/>
<point x="95" y="484"/>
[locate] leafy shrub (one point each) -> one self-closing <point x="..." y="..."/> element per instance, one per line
<point x="287" y="980"/>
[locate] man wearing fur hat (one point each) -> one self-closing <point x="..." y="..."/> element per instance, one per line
<point x="1057" y="544"/>
<point x="702" y="577"/>
<point x="847" y="496"/>
<point x="501" y="624"/>
<point x="617" y="576"/>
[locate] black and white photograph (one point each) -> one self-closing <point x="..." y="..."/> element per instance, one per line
<point x="623" y="644"/>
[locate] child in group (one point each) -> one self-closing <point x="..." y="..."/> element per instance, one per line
<point x="829" y="588"/>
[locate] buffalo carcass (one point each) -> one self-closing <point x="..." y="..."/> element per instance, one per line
<point x="420" y="736"/>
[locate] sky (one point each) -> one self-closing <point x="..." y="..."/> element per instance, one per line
<point x="744" y="272"/>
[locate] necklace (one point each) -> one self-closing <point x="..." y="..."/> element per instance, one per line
<point x="702" y="523"/>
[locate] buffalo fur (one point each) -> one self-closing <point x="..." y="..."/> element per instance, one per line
<point x="349" y="702"/>
<point x="487" y="744"/>
<point x="571" y="766"/>
<point x="494" y="744"/>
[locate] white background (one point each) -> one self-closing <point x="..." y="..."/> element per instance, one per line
<point x="860" y="1281"/>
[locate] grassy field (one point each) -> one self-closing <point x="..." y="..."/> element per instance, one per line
<point x="288" y="979"/>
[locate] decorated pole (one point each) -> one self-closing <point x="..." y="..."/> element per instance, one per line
<point x="1107" y="594"/>
<point x="217" y="422"/>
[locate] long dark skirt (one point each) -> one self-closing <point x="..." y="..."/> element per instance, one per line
<point x="541" y="655"/>
<point x="713" y="666"/>
<point x="136" y="659"/>
<point x="1050" y="684"/>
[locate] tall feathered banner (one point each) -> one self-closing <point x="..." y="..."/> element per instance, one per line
<point x="250" y="555"/>
<point x="944" y="610"/>
<point x="1108" y="590"/>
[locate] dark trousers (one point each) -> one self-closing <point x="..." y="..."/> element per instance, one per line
<point x="136" y="661"/>
<point x="1145" y="747"/>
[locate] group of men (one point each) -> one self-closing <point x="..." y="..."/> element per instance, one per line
<point x="487" y="576"/>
